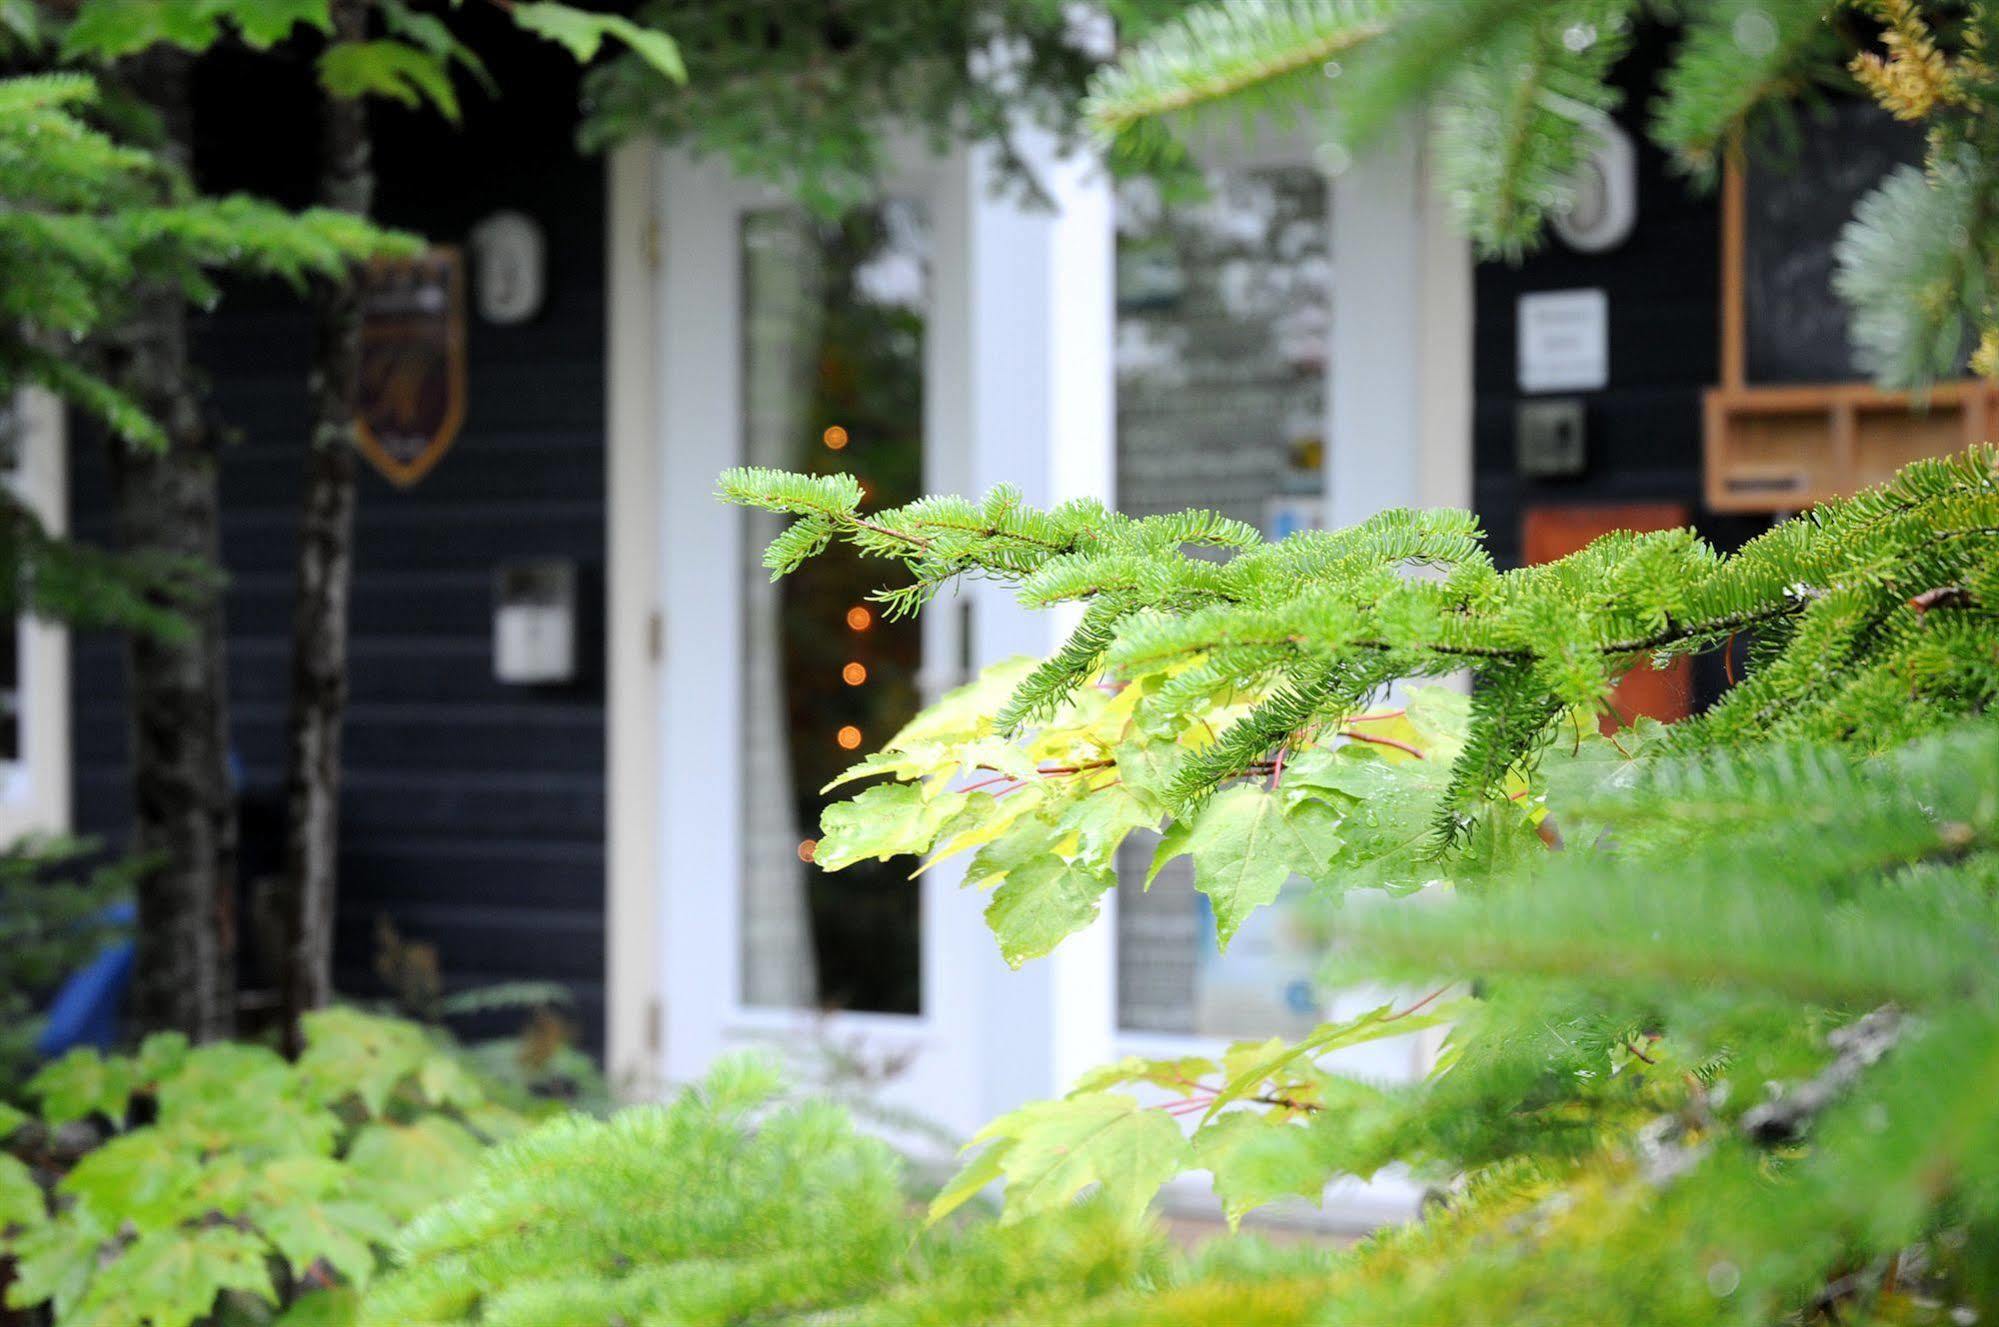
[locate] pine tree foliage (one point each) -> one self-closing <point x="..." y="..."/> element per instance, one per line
<point x="1517" y="87"/>
<point x="166" y="1187"/>
<point x="815" y="94"/>
<point x="412" y="61"/>
<point x="85" y="219"/>
<point x="730" y="1204"/>
<point x="1726" y="1060"/>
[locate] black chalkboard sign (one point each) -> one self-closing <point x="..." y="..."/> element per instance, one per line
<point x="1796" y="199"/>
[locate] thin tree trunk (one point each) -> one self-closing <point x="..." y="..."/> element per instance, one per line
<point x="167" y="504"/>
<point x="325" y="572"/>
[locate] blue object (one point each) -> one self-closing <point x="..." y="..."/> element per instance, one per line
<point x="87" y="1007"/>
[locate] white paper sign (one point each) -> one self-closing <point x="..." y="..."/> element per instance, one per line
<point x="1564" y="341"/>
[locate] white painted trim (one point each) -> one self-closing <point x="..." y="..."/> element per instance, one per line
<point x="1400" y="407"/>
<point x="1042" y="416"/>
<point x="697" y="719"/>
<point x="1445" y="310"/>
<point x="631" y="593"/>
<point x="35" y="790"/>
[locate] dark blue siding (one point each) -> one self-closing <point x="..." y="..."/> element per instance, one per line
<point x="473" y="814"/>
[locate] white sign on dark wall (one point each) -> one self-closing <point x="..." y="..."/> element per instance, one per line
<point x="1564" y="338"/>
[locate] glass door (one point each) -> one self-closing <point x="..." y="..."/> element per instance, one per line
<point x="797" y="342"/>
<point x="833" y="333"/>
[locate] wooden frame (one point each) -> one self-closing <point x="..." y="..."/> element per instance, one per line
<point x="1781" y="447"/>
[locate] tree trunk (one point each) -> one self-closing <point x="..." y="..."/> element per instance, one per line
<point x="325" y="572"/>
<point x="167" y="504"/>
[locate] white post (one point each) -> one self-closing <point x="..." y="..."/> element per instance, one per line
<point x="1039" y="296"/>
<point x="632" y="1008"/>
<point x="1400" y="398"/>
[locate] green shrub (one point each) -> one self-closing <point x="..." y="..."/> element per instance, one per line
<point x="730" y="1205"/>
<point x="160" y="1188"/>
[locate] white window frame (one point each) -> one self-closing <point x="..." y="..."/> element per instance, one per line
<point x="35" y="787"/>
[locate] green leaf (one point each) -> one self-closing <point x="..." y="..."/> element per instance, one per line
<point x="244" y="1099"/>
<point x="1058" y="1148"/>
<point x="1387" y="815"/>
<point x="1250" y="1066"/>
<point x="444" y="1082"/>
<point x="1147" y="768"/>
<point x="264" y="23"/>
<point x="11" y="1118"/>
<point x="112" y="29"/>
<point x="22" y="1205"/>
<point x="888" y="820"/>
<point x="1101" y="819"/>
<point x="1258" y="1157"/>
<point x="407" y="1167"/>
<point x="169" y="1279"/>
<point x="335" y="1306"/>
<point x="53" y="1264"/>
<point x="84" y="1083"/>
<point x="1244" y="847"/>
<point x="582" y="33"/>
<point x="349" y="1053"/>
<point x="142" y="1178"/>
<point x="1043" y="902"/>
<point x="1181" y="1076"/>
<point x="304" y="1207"/>
<point x="391" y="69"/>
<point x="161" y="1056"/>
<point x="973" y="1177"/>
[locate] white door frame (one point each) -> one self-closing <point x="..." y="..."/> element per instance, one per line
<point x="1003" y="401"/>
<point x="1019" y="383"/>
<point x="35" y="788"/>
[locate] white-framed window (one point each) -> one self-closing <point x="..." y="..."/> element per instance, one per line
<point x="1224" y="322"/>
<point x="34" y="654"/>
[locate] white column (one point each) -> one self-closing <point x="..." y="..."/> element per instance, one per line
<point x="1400" y="399"/>
<point x="1038" y="398"/>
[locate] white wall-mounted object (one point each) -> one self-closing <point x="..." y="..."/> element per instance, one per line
<point x="534" y="623"/>
<point x="509" y="267"/>
<point x="1603" y="205"/>
<point x="1564" y="340"/>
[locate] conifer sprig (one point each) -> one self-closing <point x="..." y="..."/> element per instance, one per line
<point x="1317" y="623"/>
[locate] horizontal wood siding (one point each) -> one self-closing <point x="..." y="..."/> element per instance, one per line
<point x="473" y="814"/>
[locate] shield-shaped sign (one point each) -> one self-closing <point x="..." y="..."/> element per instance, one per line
<point x="412" y="362"/>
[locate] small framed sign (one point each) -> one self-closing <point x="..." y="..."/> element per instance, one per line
<point x="1564" y="341"/>
<point x="412" y="373"/>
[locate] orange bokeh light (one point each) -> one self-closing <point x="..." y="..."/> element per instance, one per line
<point x="854" y="674"/>
<point x="848" y="737"/>
<point x="806" y="848"/>
<point x="835" y="437"/>
<point x="859" y="618"/>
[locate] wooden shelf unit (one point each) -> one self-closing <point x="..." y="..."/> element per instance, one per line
<point x="1781" y="447"/>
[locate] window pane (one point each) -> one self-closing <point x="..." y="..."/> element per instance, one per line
<point x="832" y="365"/>
<point x="1224" y="310"/>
